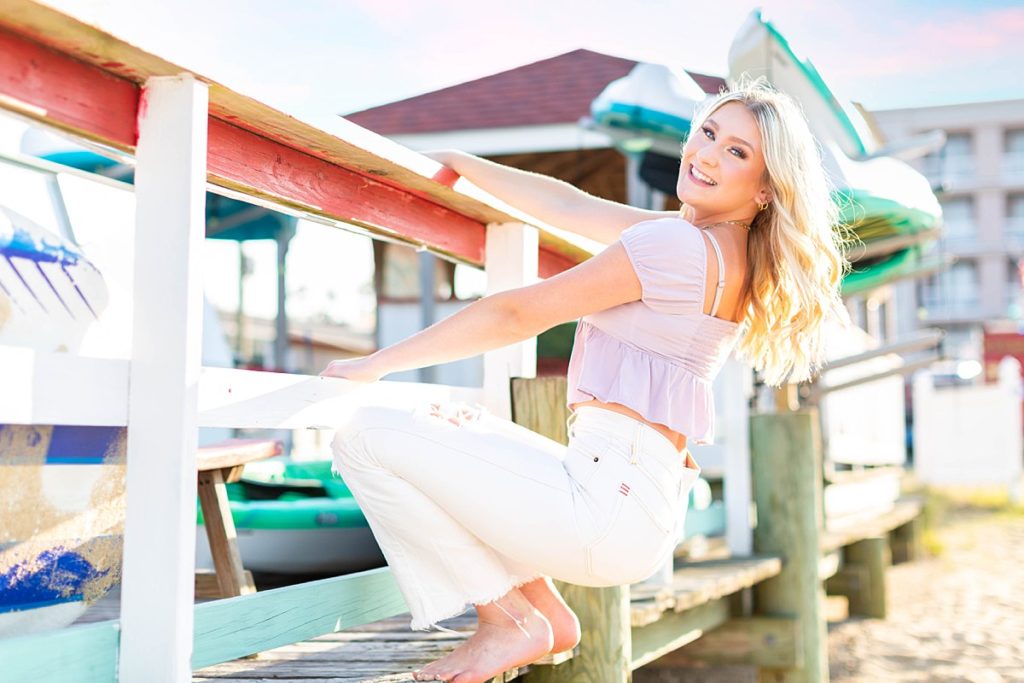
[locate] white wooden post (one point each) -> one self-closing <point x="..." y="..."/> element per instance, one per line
<point x="737" y="385"/>
<point x="160" y="526"/>
<point x="510" y="261"/>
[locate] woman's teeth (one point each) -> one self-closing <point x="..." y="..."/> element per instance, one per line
<point x="700" y="176"/>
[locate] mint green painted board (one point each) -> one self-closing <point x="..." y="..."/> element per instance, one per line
<point x="224" y="629"/>
<point x="229" y="629"/>
<point x="84" y="654"/>
<point x="707" y="522"/>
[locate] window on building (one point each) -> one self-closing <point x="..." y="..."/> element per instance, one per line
<point x="955" y="161"/>
<point x="959" y="153"/>
<point x="1015" y="216"/>
<point x="958" y="220"/>
<point x="883" y="320"/>
<point x="954" y="291"/>
<point x="1014" y="273"/>
<point x="1013" y="154"/>
<point x="862" y="312"/>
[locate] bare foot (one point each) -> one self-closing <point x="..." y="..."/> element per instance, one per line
<point x="565" y="626"/>
<point x="511" y="633"/>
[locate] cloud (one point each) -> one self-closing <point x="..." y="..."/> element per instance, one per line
<point x="333" y="56"/>
<point x="914" y="46"/>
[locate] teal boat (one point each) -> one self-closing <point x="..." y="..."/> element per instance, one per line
<point x="651" y="107"/>
<point x="299" y="518"/>
<point x="887" y="203"/>
<point x="296" y="518"/>
<point x="909" y="263"/>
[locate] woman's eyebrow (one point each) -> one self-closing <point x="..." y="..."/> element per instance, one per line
<point x="714" y="124"/>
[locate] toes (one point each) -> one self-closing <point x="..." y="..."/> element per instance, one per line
<point x="435" y="671"/>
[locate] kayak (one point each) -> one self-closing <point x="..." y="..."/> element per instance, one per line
<point x="296" y="518"/>
<point x="652" y="99"/>
<point x="62" y="493"/>
<point x="61" y="486"/>
<point x="50" y="293"/>
<point x="912" y="262"/>
<point x="880" y="197"/>
<point x="759" y="49"/>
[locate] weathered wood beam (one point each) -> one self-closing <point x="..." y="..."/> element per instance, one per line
<point x="873" y="557"/>
<point x="839" y="535"/>
<point x="786" y="461"/>
<point x="64" y="73"/>
<point x="759" y="641"/>
<point x="676" y="629"/>
<point x="46" y="85"/>
<point x="604" y="652"/>
<point x="907" y="541"/>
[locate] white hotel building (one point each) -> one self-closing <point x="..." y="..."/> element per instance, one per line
<point x="980" y="171"/>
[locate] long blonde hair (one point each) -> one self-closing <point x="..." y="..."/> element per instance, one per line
<point x="795" y="247"/>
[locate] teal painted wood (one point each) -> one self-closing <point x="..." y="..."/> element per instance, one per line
<point x="232" y="628"/>
<point x="84" y="654"/>
<point x="224" y="629"/>
<point x="707" y="522"/>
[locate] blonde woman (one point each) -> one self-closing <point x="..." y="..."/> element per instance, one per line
<point x="471" y="509"/>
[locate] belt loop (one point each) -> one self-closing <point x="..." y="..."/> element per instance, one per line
<point x="636" y="441"/>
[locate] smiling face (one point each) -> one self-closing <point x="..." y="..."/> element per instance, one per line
<point x="722" y="175"/>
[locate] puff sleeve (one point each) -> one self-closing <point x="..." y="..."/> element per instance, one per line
<point x="668" y="260"/>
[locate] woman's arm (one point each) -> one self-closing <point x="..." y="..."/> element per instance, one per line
<point x="551" y="200"/>
<point x="606" y="279"/>
<point x="488" y="323"/>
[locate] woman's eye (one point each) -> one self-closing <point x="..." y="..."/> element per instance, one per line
<point x="738" y="152"/>
<point x="708" y="132"/>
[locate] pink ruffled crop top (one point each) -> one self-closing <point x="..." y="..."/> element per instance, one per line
<point x="658" y="355"/>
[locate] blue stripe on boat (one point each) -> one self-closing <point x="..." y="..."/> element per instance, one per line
<point x="73" y="445"/>
<point x="55" y="575"/>
<point x="17" y="241"/>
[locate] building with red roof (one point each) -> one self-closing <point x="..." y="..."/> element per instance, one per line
<point x="527" y="117"/>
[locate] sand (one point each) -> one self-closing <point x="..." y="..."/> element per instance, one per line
<point x="954" y="617"/>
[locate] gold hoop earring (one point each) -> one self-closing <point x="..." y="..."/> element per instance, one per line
<point x="762" y="207"/>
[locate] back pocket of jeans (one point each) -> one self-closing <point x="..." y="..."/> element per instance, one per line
<point x="584" y="456"/>
<point x="630" y="544"/>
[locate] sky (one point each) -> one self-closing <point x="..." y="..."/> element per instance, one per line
<point x="316" y="59"/>
<point x="322" y="57"/>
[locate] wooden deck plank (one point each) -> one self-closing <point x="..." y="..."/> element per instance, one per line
<point x="698" y="583"/>
<point x="387" y="650"/>
<point x="839" y="535"/>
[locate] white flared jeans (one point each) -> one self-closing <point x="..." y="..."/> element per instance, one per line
<point x="465" y="512"/>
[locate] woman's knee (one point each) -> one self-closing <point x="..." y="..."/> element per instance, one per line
<point x="343" y="448"/>
<point x="349" y="440"/>
<point x="361" y="418"/>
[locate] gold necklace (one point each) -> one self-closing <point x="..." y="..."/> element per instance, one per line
<point x="745" y="225"/>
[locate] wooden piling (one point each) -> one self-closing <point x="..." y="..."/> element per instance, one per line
<point x="906" y="541"/>
<point x="872" y="557"/>
<point x="786" y="462"/>
<point x="605" y="649"/>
